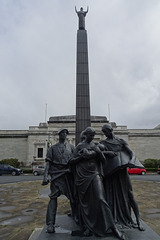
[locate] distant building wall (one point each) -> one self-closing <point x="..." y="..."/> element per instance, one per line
<point x="30" y="146"/>
<point x="13" y="144"/>
<point x="145" y="143"/>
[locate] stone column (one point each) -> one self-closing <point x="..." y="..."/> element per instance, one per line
<point x="82" y="85"/>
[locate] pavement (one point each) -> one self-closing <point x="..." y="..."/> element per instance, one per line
<point x="23" y="207"/>
<point x="67" y="229"/>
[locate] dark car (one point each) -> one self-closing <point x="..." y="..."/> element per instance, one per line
<point x="141" y="171"/>
<point x="38" y="170"/>
<point x="7" y="169"/>
<point x="158" y="171"/>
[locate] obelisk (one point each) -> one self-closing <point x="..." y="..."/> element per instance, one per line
<point x="83" y="118"/>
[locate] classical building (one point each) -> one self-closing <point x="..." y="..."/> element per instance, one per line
<point x="30" y="146"/>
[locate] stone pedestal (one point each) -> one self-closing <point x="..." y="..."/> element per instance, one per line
<point x="65" y="225"/>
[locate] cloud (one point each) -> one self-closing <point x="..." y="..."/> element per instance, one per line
<point x="38" y="60"/>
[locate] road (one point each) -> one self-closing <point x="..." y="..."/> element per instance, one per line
<point x="21" y="178"/>
<point x="29" y="177"/>
<point x="148" y="177"/>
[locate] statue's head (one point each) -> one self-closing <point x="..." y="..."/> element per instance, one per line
<point x="81" y="9"/>
<point x="107" y="129"/>
<point x="107" y="126"/>
<point x="89" y="134"/>
<point x="62" y="130"/>
<point x="89" y="130"/>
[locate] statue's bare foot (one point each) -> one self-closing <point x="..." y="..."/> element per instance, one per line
<point x="140" y="227"/>
<point x="87" y="233"/>
<point x="50" y="228"/>
<point x="118" y="234"/>
<point x="134" y="225"/>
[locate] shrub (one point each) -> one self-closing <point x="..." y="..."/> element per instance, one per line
<point x="11" y="161"/>
<point x="151" y="169"/>
<point x="158" y="162"/>
<point x="151" y="163"/>
<point x="27" y="170"/>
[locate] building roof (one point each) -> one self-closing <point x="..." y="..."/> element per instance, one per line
<point x="72" y="118"/>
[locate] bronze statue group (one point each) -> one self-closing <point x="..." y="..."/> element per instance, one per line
<point x="94" y="177"/>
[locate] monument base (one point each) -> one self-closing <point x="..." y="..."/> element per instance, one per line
<point x="65" y="225"/>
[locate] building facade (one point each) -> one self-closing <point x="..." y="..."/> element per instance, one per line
<point x="30" y="146"/>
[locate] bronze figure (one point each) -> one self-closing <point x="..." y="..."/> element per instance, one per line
<point x="62" y="180"/>
<point x="117" y="182"/>
<point x="95" y="216"/>
<point x="81" y="15"/>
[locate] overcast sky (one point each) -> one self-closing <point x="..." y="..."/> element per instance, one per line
<point x="38" y="60"/>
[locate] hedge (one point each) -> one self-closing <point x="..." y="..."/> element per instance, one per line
<point x="151" y="163"/>
<point x="27" y="170"/>
<point x="151" y="169"/>
<point x="11" y="161"/>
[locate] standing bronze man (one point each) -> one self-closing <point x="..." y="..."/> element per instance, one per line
<point x="81" y="14"/>
<point x="57" y="167"/>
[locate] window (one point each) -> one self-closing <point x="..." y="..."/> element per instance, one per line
<point x="40" y="152"/>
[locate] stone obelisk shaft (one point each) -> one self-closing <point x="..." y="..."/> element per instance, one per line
<point x="83" y="119"/>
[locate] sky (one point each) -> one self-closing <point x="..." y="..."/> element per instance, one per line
<point x="38" y="61"/>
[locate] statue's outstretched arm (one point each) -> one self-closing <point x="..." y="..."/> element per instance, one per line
<point x="87" y="9"/>
<point x="76" y="9"/>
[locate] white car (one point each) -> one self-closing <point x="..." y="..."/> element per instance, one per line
<point x="38" y="170"/>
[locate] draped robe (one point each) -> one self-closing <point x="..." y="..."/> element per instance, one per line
<point x="117" y="184"/>
<point x="95" y="213"/>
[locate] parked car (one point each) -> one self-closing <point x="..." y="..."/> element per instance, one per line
<point x="7" y="169"/>
<point x="158" y="171"/>
<point x="141" y="171"/>
<point x="38" y="170"/>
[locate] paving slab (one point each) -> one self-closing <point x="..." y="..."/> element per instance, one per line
<point x="65" y="225"/>
<point x="35" y="234"/>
